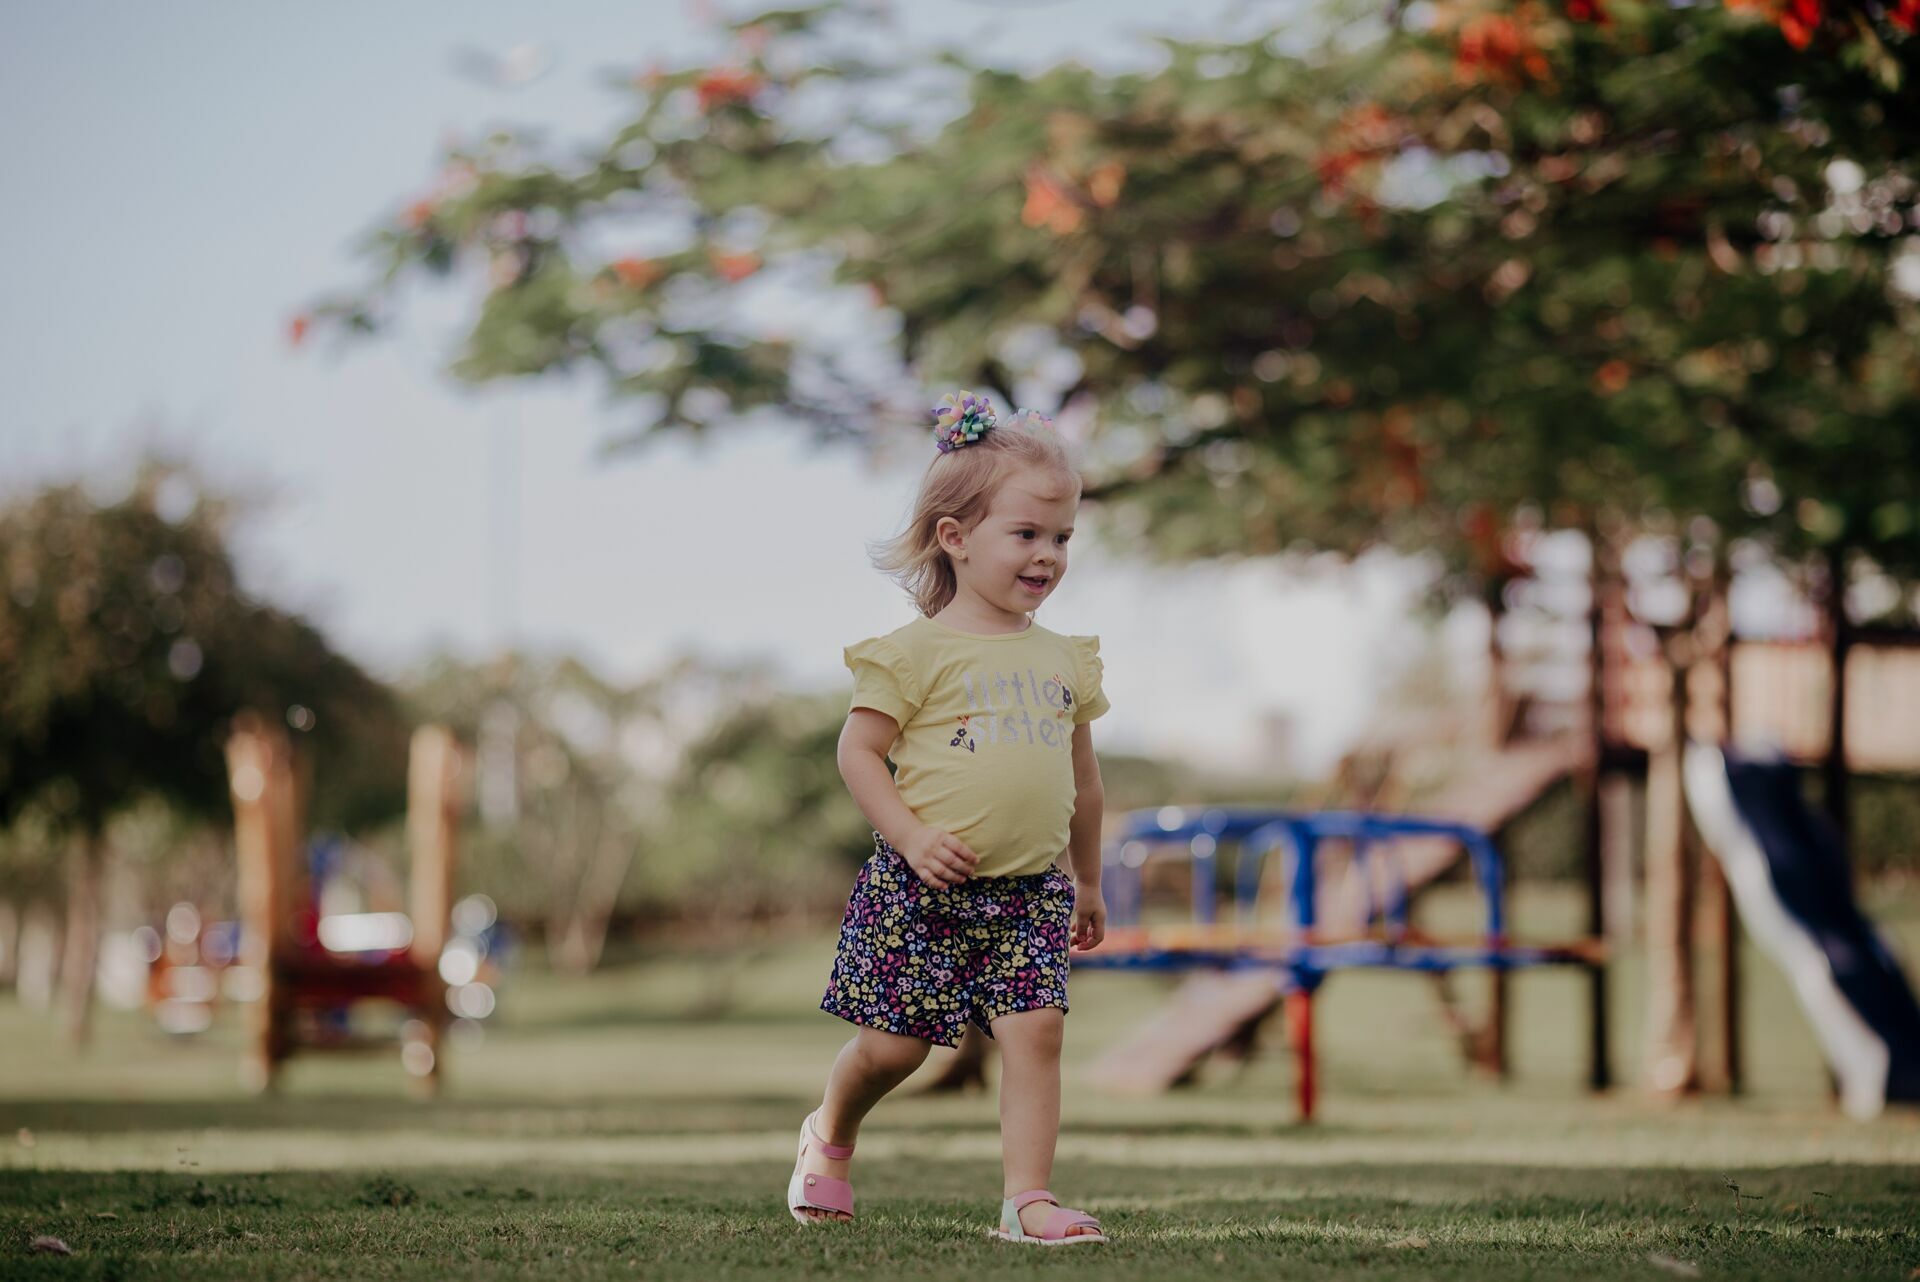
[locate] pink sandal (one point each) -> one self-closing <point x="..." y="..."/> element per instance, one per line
<point x="1054" y="1231"/>
<point x="818" y="1192"/>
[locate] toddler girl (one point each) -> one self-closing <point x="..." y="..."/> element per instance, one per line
<point x="961" y="913"/>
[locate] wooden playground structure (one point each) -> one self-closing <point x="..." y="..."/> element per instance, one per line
<point x="298" y="975"/>
<point x="1346" y="878"/>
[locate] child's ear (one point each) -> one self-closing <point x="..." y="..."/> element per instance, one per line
<point x="948" y="534"/>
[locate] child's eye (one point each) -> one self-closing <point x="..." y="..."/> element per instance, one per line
<point x="1063" y="538"/>
<point x="1026" y="534"/>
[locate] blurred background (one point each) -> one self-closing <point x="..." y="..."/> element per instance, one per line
<point x="1476" y="403"/>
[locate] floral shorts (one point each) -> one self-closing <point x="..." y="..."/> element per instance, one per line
<point x="921" y="961"/>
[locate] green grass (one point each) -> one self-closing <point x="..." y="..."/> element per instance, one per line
<point x="640" y="1124"/>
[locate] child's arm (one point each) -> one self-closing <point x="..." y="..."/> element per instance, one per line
<point x="1083" y="841"/>
<point x="939" y="858"/>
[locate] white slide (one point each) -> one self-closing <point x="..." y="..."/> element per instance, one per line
<point x="1858" y="1056"/>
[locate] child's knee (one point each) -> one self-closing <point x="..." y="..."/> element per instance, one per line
<point x="1036" y="1033"/>
<point x="891" y="1052"/>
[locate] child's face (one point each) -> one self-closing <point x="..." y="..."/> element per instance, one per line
<point x="1017" y="555"/>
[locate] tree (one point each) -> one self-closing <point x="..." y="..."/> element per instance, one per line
<point x="757" y="816"/>
<point x="126" y="645"/>
<point x="1579" y="262"/>
<point x="565" y="804"/>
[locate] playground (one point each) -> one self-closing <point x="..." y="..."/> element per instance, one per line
<point x="602" y="1131"/>
<point x="429" y="785"/>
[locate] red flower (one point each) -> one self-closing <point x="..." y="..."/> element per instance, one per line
<point x="1367" y="132"/>
<point x="1495" y="47"/>
<point x="1104" y="183"/>
<point x="735" y="267"/>
<point x="636" y="273"/>
<point x="1798" y="21"/>
<point x="1334" y="168"/>
<point x="297" y="329"/>
<point x="717" y="88"/>
<point x="1488" y="541"/>
<point x="1048" y="203"/>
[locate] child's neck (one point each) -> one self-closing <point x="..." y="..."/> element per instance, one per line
<point x="969" y="612"/>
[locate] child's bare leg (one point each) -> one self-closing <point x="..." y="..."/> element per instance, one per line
<point x="867" y="1067"/>
<point x="1030" y="1103"/>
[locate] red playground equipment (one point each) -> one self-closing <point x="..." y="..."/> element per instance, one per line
<point x="279" y="930"/>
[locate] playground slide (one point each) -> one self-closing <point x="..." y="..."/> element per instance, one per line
<point x="1790" y="877"/>
<point x="1488" y="794"/>
<point x="1207" y="1011"/>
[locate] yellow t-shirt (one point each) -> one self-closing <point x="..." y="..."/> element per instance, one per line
<point x="985" y="749"/>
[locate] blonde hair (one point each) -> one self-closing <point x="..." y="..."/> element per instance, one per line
<point x="961" y="484"/>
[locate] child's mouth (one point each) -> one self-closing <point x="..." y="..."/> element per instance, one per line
<point x="1034" y="585"/>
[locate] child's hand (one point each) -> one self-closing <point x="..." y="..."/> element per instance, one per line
<point x="938" y="858"/>
<point x="1089" y="917"/>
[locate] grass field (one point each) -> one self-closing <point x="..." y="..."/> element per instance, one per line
<point x="640" y="1123"/>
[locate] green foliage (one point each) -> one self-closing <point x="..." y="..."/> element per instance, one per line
<point x="558" y="737"/>
<point x="1883" y="839"/>
<point x="1386" y="294"/>
<point x="126" y="645"/>
<point x="757" y="818"/>
<point x="1547" y="840"/>
<point x="702" y="791"/>
<point x="32" y="850"/>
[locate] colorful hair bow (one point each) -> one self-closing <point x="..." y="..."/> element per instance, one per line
<point x="963" y="418"/>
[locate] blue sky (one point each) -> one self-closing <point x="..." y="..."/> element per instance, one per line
<point x="182" y="177"/>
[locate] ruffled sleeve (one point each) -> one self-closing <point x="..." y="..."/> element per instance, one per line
<point x="1090" y="700"/>
<point x="883" y="679"/>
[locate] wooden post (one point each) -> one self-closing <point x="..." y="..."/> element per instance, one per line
<point x="434" y="769"/>
<point x="1672" y="1065"/>
<point x="266" y="837"/>
<point x="1498" y="709"/>
<point x="1488" y="1048"/>
<point x="1732" y="989"/>
<point x="1710" y="709"/>
<point x="1605" y="604"/>
<point x="1719" y="980"/>
<point x="1840" y="642"/>
<point x="86" y="877"/>
<point x="9" y="942"/>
